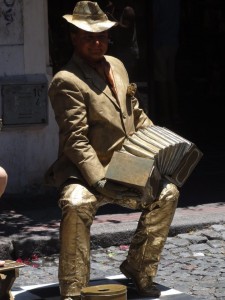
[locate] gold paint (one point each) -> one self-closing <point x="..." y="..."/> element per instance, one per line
<point x="79" y="205"/>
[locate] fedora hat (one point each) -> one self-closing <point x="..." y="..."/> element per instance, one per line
<point x="88" y="16"/>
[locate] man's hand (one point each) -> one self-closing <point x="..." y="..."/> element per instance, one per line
<point x="115" y="190"/>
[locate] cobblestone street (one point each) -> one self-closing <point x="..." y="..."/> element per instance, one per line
<point x="192" y="263"/>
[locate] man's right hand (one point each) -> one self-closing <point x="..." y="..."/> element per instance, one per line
<point x="115" y="190"/>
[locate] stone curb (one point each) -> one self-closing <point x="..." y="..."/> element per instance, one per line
<point x="106" y="232"/>
<point x="102" y="235"/>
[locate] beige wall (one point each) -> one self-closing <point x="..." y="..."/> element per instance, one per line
<point x="26" y="151"/>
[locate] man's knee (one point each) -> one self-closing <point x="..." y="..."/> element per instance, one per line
<point x="169" y="192"/>
<point x="77" y="211"/>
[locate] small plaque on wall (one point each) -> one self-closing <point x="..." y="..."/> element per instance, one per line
<point x="24" y="103"/>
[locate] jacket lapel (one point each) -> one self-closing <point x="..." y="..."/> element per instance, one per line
<point x="91" y="75"/>
<point x="119" y="84"/>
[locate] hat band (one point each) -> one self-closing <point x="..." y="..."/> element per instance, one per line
<point x="102" y="17"/>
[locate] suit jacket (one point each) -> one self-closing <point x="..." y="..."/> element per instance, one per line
<point x="92" y="122"/>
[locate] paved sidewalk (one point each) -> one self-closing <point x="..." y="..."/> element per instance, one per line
<point x="192" y="261"/>
<point x="37" y="231"/>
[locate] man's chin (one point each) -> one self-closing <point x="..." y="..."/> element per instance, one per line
<point x="97" y="57"/>
<point x="95" y="60"/>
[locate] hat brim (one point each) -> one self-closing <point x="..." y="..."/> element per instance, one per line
<point x="91" y="25"/>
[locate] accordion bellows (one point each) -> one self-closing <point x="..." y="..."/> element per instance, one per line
<point x="174" y="157"/>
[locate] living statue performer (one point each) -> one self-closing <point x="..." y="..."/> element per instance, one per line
<point x="95" y="114"/>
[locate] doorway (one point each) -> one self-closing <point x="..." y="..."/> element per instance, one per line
<point x="59" y="41"/>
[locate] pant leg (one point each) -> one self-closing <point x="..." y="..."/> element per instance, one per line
<point x="152" y="231"/>
<point x="78" y="207"/>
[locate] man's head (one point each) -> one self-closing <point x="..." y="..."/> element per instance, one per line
<point x="89" y="30"/>
<point x="91" y="46"/>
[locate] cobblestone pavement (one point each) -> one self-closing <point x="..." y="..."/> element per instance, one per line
<point x="193" y="263"/>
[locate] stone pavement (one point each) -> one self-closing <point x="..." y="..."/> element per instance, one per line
<point x="192" y="261"/>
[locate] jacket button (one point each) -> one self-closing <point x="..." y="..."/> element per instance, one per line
<point x="124" y="115"/>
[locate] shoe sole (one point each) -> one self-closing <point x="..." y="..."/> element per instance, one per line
<point x="125" y="272"/>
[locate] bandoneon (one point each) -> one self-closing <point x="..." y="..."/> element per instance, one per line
<point x="154" y="148"/>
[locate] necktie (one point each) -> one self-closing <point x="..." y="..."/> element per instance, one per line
<point x="104" y="70"/>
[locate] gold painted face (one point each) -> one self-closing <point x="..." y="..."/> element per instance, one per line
<point x="91" y="46"/>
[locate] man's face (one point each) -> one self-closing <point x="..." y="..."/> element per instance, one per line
<point x="91" y="46"/>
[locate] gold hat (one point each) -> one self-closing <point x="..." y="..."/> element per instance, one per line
<point x="88" y="16"/>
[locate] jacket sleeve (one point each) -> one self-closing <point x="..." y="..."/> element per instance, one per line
<point x="141" y="120"/>
<point x="71" y="116"/>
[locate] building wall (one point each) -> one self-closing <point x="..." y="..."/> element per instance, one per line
<point x="26" y="150"/>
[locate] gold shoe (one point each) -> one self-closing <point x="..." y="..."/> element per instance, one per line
<point x="143" y="283"/>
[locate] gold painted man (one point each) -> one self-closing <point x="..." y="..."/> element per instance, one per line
<point x="95" y="114"/>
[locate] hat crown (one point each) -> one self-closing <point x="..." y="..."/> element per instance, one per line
<point x="88" y="16"/>
<point x="88" y="10"/>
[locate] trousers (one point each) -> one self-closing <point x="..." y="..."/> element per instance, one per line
<point x="79" y="204"/>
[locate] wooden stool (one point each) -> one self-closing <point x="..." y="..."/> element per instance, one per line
<point x="8" y="274"/>
<point x="104" y="291"/>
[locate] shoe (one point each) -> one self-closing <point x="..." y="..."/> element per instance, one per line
<point x="143" y="283"/>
